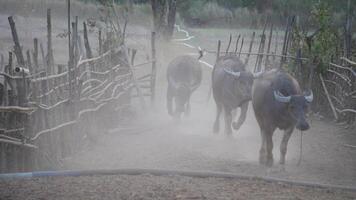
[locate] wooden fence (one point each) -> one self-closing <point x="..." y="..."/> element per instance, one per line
<point x="50" y="111"/>
<point x="335" y="90"/>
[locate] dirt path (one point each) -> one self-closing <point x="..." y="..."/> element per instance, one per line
<point x="160" y="187"/>
<point x="157" y="141"/>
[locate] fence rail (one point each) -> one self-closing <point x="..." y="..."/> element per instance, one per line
<point x="50" y="113"/>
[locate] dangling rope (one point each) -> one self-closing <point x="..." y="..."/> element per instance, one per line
<point x="301" y="148"/>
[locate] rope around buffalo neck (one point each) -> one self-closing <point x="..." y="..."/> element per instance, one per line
<point x="301" y="148"/>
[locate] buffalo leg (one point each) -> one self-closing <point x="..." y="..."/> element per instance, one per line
<point x="228" y="120"/>
<point x="217" y="119"/>
<point x="263" y="155"/>
<point x="187" y="108"/>
<point x="170" y="100"/>
<point x="284" y="143"/>
<point x="242" y="117"/>
<point x="269" y="148"/>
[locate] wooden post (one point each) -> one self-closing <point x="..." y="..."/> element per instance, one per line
<point x="43" y="58"/>
<point x="134" y="51"/>
<point x="218" y="51"/>
<point x="287" y="36"/>
<point x="2" y="63"/>
<point x="100" y="43"/>
<point x="17" y="47"/>
<point x="35" y="54"/>
<point x="29" y="63"/>
<point x="3" y="159"/>
<point x="269" y="47"/>
<point x="276" y="46"/>
<point x="237" y="43"/>
<point x="50" y="59"/>
<point x="249" y="50"/>
<point x="86" y="42"/>
<point x="228" y="46"/>
<point x="69" y="33"/>
<point x="154" y="70"/>
<point x="242" y="44"/>
<point x="328" y="97"/>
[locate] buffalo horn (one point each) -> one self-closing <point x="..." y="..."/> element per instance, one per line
<point x="309" y="97"/>
<point x="237" y="74"/>
<point x="257" y="74"/>
<point x="279" y="97"/>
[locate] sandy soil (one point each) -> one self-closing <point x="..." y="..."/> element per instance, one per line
<point x="160" y="187"/>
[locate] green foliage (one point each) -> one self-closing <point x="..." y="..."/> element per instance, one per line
<point x="323" y="45"/>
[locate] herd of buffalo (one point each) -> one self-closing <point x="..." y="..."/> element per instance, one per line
<point x="276" y="96"/>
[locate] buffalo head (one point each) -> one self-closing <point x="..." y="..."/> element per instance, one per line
<point x="244" y="81"/>
<point x="297" y="107"/>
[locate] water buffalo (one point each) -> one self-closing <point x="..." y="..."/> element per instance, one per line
<point x="184" y="75"/>
<point x="278" y="102"/>
<point x="232" y="86"/>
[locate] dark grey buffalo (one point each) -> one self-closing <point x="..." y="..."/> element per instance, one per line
<point x="278" y="102"/>
<point x="184" y="75"/>
<point x="232" y="86"/>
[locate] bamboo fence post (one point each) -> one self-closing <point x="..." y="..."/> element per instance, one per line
<point x="267" y="63"/>
<point x="29" y="63"/>
<point x="43" y="58"/>
<point x="2" y="63"/>
<point x="260" y="50"/>
<point x="6" y="101"/>
<point x="86" y="42"/>
<point x="3" y="159"/>
<point x="218" y="51"/>
<point x="69" y="32"/>
<point x="50" y="59"/>
<point x="237" y="43"/>
<point x="276" y="46"/>
<point x="35" y="55"/>
<point x="154" y="70"/>
<point x="328" y="97"/>
<point x="17" y="47"/>
<point x="134" y="51"/>
<point x="228" y="46"/>
<point x="250" y="48"/>
<point x="100" y="43"/>
<point x="242" y="44"/>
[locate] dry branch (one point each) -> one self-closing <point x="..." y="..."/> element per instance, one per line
<point x="31" y="146"/>
<point x="346" y="68"/>
<point x="17" y="109"/>
<point x="328" y="96"/>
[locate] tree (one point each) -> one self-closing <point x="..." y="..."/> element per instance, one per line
<point x="164" y="15"/>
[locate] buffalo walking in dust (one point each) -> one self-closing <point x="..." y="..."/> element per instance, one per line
<point x="278" y="102"/>
<point x="184" y="75"/>
<point x="232" y="86"/>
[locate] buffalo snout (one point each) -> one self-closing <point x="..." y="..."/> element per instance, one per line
<point x="303" y="125"/>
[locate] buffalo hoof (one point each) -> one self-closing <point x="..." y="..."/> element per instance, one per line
<point x="216" y="129"/>
<point x="263" y="160"/>
<point x="236" y="125"/>
<point x="281" y="168"/>
<point x="187" y="111"/>
<point x="228" y="132"/>
<point x="281" y="161"/>
<point x="269" y="162"/>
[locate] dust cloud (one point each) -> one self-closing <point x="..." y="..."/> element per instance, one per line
<point x="153" y="139"/>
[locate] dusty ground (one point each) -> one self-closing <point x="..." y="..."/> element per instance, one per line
<point x="160" y="187"/>
<point x="154" y="140"/>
